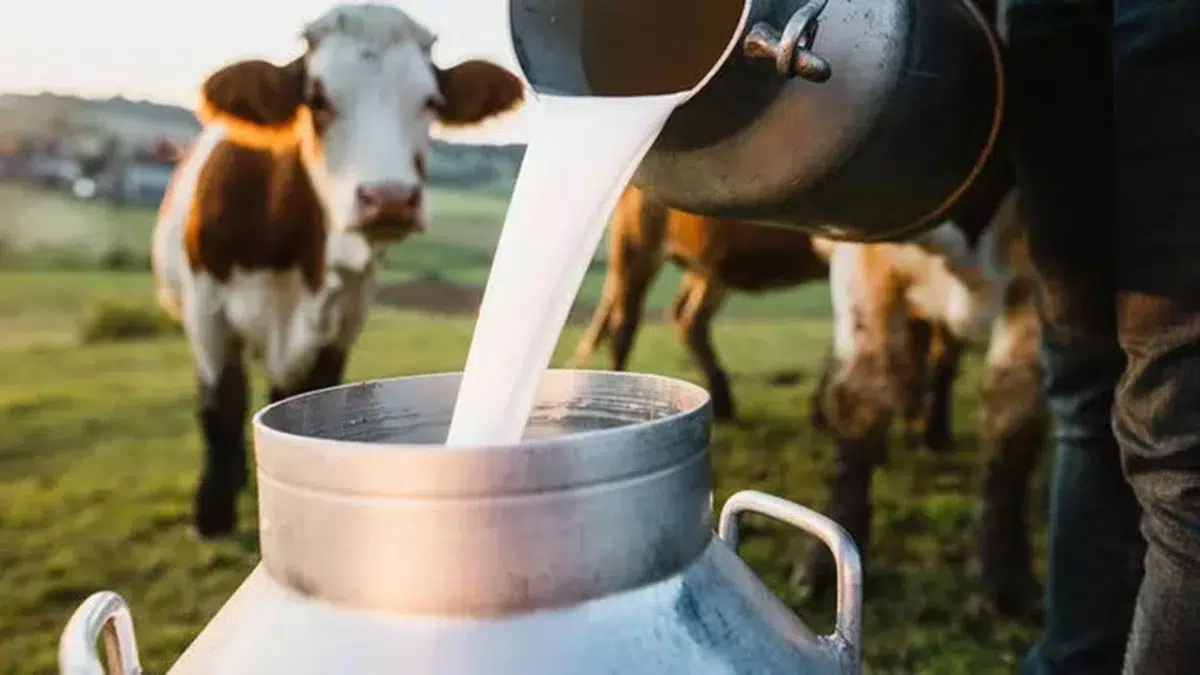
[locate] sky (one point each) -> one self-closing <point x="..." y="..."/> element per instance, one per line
<point x="162" y="50"/>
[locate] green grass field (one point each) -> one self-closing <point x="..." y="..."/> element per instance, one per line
<point x="42" y="230"/>
<point x="99" y="451"/>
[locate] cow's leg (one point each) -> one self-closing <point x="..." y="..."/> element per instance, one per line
<point x="695" y="330"/>
<point x="597" y="330"/>
<point x="679" y="302"/>
<point x="629" y="301"/>
<point x="328" y="370"/>
<point x="340" y="317"/>
<point x="626" y="319"/>
<point x="859" y="398"/>
<point x="343" y="315"/>
<point x="945" y="354"/>
<point x="618" y="316"/>
<point x="817" y="417"/>
<point x="635" y="247"/>
<point x="1014" y="423"/>
<point x="222" y="414"/>
<point x="858" y="405"/>
<point x="917" y="393"/>
<point x="601" y="325"/>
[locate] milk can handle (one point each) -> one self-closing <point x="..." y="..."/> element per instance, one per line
<point x="847" y="635"/>
<point x="103" y="615"/>
<point x="789" y="52"/>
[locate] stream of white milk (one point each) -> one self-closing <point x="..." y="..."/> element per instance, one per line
<point x="575" y="168"/>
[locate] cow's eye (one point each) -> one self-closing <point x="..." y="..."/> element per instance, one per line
<point x="434" y="103"/>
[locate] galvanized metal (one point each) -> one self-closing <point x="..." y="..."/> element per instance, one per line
<point x="488" y="531"/>
<point x="102" y="616"/>
<point x="847" y="635"/>
<point x="872" y="120"/>
<point x="586" y="549"/>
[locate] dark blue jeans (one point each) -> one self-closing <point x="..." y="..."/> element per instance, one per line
<point x="1106" y="134"/>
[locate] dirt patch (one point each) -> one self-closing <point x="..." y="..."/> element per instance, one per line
<point x="450" y="299"/>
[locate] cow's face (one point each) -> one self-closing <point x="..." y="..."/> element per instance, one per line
<point x="359" y="106"/>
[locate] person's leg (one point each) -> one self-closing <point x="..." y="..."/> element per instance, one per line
<point x="1094" y="550"/>
<point x="1062" y="139"/>
<point x="1157" y="420"/>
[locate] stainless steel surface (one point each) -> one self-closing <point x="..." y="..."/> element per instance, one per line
<point x="886" y="147"/>
<point x="894" y="117"/>
<point x="847" y="635"/>
<point x="714" y="618"/>
<point x="586" y="549"/>
<point x="619" y="502"/>
<point x="102" y="615"/>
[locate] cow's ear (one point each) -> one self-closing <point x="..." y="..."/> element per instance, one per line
<point x="254" y="92"/>
<point x="475" y="90"/>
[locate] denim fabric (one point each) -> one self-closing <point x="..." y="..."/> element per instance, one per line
<point x="1094" y="548"/>
<point x="1106" y="133"/>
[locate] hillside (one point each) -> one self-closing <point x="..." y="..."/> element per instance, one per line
<point x="48" y="114"/>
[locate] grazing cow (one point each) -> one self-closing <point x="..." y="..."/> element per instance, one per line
<point x="302" y="175"/>
<point x="717" y="255"/>
<point x="930" y="362"/>
<point x="972" y="278"/>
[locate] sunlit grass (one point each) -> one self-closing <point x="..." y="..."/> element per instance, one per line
<point x="99" y="451"/>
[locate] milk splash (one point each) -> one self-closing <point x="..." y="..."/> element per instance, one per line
<point x="585" y="151"/>
<point x="639" y="60"/>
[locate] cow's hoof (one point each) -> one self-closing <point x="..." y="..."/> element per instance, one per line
<point x="215" y="511"/>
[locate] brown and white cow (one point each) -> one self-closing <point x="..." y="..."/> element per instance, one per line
<point x="268" y="239"/>
<point x="719" y="255"/>
<point x="716" y="254"/>
<point x="979" y="282"/>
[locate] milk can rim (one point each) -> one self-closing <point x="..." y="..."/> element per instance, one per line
<point x="433" y="470"/>
<point x="702" y="399"/>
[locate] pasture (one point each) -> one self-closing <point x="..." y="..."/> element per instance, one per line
<point x="99" y="448"/>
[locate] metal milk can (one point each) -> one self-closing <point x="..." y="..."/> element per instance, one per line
<point x="586" y="549"/>
<point x="855" y="119"/>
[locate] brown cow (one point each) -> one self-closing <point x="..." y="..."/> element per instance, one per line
<point x="930" y="362"/>
<point x="718" y="255"/>
<point x="974" y="280"/>
<point x="303" y="174"/>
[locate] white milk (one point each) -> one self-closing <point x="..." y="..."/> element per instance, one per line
<point x="575" y="168"/>
<point x="585" y="149"/>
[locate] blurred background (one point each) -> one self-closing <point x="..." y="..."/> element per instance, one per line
<point x="99" y="448"/>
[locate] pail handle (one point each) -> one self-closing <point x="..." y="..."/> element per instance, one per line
<point x="847" y="632"/>
<point x="103" y="615"/>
